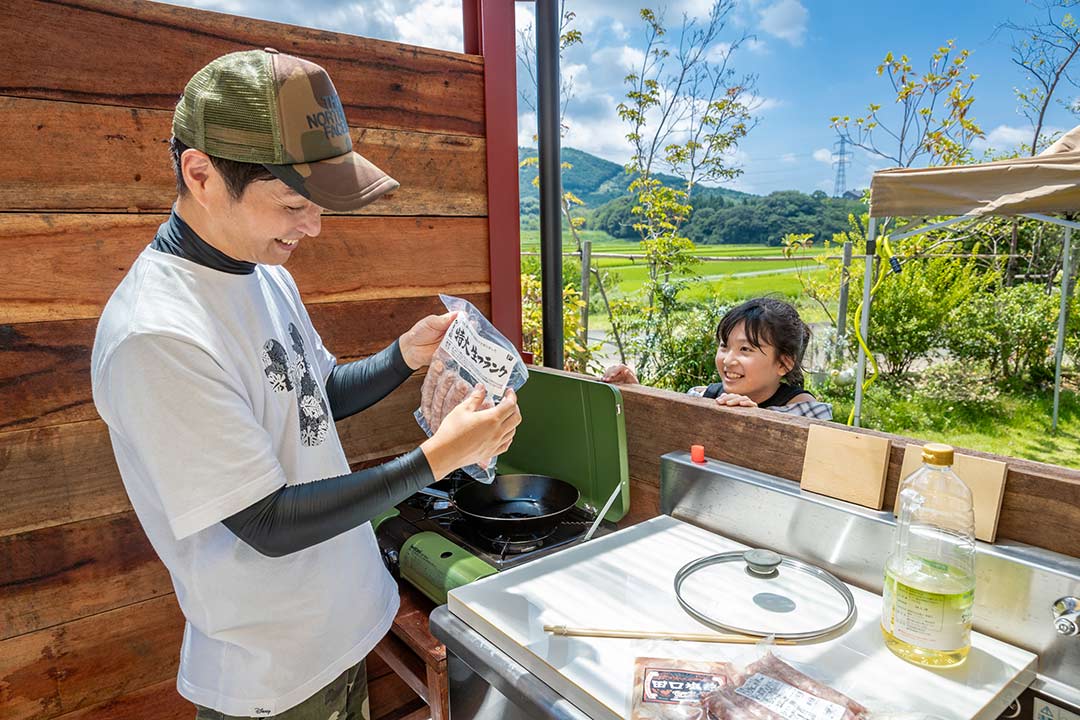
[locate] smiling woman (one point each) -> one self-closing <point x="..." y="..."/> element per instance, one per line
<point x="760" y="347"/>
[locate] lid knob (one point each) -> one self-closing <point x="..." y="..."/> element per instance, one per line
<point x="762" y="562"/>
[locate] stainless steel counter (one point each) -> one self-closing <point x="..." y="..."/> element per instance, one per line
<point x="486" y="684"/>
<point x="1017" y="584"/>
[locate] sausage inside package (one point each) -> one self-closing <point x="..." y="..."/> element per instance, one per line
<point x="770" y="689"/>
<point x="673" y="689"/>
<point x="471" y="352"/>
<point x="765" y="688"/>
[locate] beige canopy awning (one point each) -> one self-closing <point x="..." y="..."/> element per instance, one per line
<point x="1046" y="183"/>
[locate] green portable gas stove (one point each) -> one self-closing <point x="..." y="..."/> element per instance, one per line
<point x="572" y="429"/>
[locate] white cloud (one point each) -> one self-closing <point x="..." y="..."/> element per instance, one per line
<point x="578" y="75"/>
<point x="788" y="158"/>
<point x="603" y="135"/>
<point x="526" y="129"/>
<point x="1007" y="136"/>
<point x="764" y="104"/>
<point x="523" y="16"/>
<point x="434" y="23"/>
<point x="719" y="52"/>
<point x="1004" y="138"/>
<point x="755" y="45"/>
<point x="621" y="57"/>
<point x="823" y="155"/>
<point x="785" y="19"/>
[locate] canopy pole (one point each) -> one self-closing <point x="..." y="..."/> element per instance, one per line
<point x="864" y="324"/>
<point x="1062" y="317"/>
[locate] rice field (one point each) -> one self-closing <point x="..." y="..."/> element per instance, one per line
<point x="728" y="279"/>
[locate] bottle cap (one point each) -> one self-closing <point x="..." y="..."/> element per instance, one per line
<point x="697" y="453"/>
<point x="937" y="454"/>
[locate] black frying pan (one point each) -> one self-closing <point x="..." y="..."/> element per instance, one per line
<point x="515" y="504"/>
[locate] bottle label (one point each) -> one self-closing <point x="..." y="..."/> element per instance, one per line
<point x="931" y="620"/>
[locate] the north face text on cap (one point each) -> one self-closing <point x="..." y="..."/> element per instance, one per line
<point x="332" y="120"/>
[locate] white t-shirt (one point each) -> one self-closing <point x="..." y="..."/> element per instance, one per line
<point x="213" y="387"/>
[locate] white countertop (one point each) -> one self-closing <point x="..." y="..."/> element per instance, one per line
<point x="625" y="581"/>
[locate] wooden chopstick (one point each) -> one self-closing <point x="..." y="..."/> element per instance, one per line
<point x="642" y="635"/>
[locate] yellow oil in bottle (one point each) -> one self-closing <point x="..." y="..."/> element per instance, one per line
<point x="922" y="610"/>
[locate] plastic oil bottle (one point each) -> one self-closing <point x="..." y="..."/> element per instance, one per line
<point x="930" y="575"/>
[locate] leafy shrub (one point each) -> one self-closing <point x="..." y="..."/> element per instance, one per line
<point x="684" y="356"/>
<point x="1012" y="329"/>
<point x="909" y="314"/>
<point x="576" y="356"/>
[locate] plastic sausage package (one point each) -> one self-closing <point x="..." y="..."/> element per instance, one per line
<point x="766" y="689"/>
<point x="471" y="352"/>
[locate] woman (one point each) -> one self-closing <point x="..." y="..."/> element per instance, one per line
<point x="760" y="347"/>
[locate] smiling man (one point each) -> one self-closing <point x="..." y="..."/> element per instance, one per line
<point x="221" y="400"/>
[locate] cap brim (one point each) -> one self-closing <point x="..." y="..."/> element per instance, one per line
<point x="345" y="182"/>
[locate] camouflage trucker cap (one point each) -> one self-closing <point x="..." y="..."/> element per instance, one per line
<point x="261" y="106"/>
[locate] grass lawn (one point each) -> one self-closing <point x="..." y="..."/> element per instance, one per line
<point x="1014" y="424"/>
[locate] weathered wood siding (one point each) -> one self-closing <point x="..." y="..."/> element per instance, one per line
<point x="89" y="626"/>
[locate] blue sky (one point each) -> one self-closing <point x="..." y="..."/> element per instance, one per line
<point x="813" y="59"/>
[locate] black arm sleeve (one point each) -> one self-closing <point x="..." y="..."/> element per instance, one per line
<point x="355" y="386"/>
<point x="300" y="516"/>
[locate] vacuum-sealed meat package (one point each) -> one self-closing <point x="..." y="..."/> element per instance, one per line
<point x="471" y="352"/>
<point x="672" y="689"/>
<point x="770" y="689"/>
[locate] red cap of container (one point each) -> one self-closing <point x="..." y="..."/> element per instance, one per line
<point x="697" y="453"/>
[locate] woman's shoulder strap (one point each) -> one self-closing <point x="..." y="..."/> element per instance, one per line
<point x="713" y="391"/>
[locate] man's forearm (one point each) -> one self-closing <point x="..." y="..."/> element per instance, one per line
<point x="296" y="517"/>
<point x="358" y="385"/>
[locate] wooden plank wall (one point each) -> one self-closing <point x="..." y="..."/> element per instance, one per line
<point x="89" y="627"/>
<point x="1041" y="505"/>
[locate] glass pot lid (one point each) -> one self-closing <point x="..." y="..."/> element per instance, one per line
<point x="763" y="593"/>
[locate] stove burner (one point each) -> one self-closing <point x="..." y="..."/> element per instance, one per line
<point x="425" y="513"/>
<point x="516" y="544"/>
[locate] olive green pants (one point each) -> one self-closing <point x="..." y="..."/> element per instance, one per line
<point x="344" y="699"/>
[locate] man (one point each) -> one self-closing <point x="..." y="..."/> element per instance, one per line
<point x="221" y="399"/>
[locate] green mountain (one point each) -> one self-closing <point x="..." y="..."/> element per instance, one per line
<point x="595" y="181"/>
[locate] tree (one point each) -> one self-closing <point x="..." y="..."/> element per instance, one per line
<point x="933" y="126"/>
<point x="1044" y="51"/>
<point x="686" y="110"/>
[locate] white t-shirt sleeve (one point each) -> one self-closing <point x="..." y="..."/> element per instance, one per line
<point x="191" y="430"/>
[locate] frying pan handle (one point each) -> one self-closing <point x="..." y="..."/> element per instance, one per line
<point x="440" y="494"/>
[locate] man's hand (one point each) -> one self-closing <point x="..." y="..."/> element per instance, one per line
<point x="620" y="375"/>
<point x="473" y="432"/>
<point x="421" y="341"/>
<point x="733" y="400"/>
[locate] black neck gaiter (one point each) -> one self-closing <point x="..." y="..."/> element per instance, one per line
<point x="176" y="237"/>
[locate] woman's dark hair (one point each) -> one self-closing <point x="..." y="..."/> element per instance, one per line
<point x="768" y="321"/>
<point x="237" y="175"/>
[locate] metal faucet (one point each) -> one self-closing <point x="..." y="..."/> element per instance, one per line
<point x="1067" y="616"/>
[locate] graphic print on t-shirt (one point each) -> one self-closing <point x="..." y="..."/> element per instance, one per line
<point x="314" y="416"/>
<point x="283" y="376"/>
<point x="276" y="366"/>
